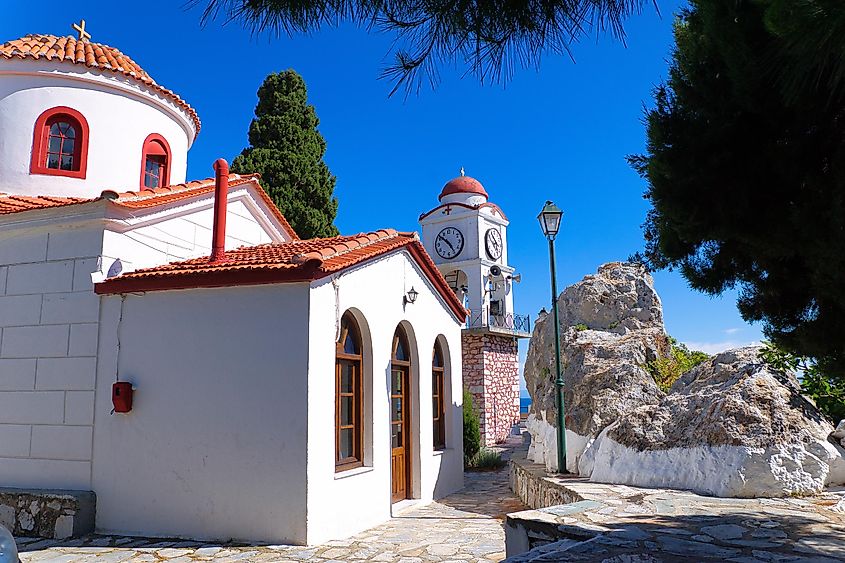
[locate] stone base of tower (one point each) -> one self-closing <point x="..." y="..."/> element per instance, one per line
<point x="491" y="374"/>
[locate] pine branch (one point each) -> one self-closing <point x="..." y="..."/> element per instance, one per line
<point x="490" y="37"/>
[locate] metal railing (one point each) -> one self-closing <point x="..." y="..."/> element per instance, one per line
<point x="510" y="323"/>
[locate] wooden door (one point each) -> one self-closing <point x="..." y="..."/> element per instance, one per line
<point x="400" y="433"/>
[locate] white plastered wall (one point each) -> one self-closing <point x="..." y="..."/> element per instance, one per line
<point x="49" y="319"/>
<point x="48" y="340"/>
<point x="342" y="504"/>
<point x="214" y="446"/>
<point x="120" y="112"/>
<point x="184" y="231"/>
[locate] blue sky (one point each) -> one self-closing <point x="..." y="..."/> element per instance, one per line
<point x="560" y="133"/>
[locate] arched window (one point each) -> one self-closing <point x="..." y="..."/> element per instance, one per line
<point x="155" y="162"/>
<point x="60" y="143"/>
<point x="349" y="391"/>
<point x="437" y="396"/>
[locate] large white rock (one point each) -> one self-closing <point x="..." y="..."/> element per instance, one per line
<point x="839" y="433"/>
<point x="611" y="327"/>
<point x="731" y="428"/>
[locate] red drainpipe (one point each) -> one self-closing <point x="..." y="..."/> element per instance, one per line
<point x="221" y="191"/>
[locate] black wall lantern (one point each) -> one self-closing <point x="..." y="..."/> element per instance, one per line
<point x="411" y="296"/>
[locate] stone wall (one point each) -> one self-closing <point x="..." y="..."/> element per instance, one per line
<point x="491" y="373"/>
<point x="530" y="482"/>
<point x="47" y="514"/>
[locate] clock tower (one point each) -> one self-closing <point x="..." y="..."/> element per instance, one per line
<point x="466" y="236"/>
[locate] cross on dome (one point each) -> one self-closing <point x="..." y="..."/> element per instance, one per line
<point x="462" y="171"/>
<point x="80" y="28"/>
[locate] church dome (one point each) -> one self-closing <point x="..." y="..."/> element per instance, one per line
<point x="92" y="55"/>
<point x="463" y="185"/>
<point x="80" y="117"/>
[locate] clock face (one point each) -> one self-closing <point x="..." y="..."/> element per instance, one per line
<point x="493" y="242"/>
<point x="449" y="242"/>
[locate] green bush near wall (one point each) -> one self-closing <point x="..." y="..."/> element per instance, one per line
<point x="472" y="430"/>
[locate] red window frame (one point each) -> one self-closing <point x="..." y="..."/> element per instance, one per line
<point x="156" y="145"/>
<point x="41" y="139"/>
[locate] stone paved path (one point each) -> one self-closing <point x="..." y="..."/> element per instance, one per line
<point x="461" y="528"/>
<point x="616" y="523"/>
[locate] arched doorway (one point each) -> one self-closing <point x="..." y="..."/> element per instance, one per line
<point x="400" y="417"/>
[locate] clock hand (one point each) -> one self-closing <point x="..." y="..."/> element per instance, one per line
<point x="441" y="237"/>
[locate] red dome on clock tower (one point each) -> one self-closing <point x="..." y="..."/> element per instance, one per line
<point x="463" y="185"/>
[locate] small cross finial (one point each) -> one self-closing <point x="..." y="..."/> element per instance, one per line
<point x="462" y="171"/>
<point x="80" y="28"/>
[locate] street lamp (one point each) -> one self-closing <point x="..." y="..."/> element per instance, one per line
<point x="550" y="218"/>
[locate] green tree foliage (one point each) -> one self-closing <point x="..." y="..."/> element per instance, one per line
<point x="666" y="371"/>
<point x="488" y="36"/>
<point x="472" y="430"/>
<point x="828" y="393"/>
<point x="287" y="150"/>
<point x="746" y="171"/>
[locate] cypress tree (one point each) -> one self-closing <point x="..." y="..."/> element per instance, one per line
<point x="287" y="150"/>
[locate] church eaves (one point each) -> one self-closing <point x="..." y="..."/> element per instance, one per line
<point x="295" y="261"/>
<point x="144" y="199"/>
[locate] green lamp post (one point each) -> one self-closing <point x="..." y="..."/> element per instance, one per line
<point x="550" y="218"/>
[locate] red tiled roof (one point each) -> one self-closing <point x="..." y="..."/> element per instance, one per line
<point x="301" y="260"/>
<point x="143" y="199"/>
<point x="159" y="196"/>
<point x="92" y="55"/>
<point x="15" y="203"/>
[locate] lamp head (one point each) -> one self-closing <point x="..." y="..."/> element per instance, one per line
<point x="411" y="296"/>
<point x="550" y="218"/>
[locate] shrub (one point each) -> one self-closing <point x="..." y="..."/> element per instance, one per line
<point x="580" y="327"/>
<point x="487" y="459"/>
<point x="666" y="371"/>
<point x="472" y="431"/>
<point x="827" y="392"/>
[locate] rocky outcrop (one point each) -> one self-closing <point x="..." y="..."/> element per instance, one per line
<point x="839" y="433"/>
<point x="611" y="327"/>
<point x="730" y="427"/>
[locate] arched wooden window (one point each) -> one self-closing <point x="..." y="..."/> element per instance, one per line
<point x="349" y="391"/>
<point x="155" y="162"/>
<point x="400" y="416"/>
<point x="437" y="396"/>
<point x="60" y="143"/>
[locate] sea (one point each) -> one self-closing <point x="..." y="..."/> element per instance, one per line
<point x="524" y="403"/>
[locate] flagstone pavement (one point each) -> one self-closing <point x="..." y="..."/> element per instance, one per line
<point x="461" y="528"/>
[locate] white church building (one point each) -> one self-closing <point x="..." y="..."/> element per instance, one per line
<point x="175" y="348"/>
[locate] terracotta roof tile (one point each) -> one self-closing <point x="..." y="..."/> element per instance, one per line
<point x="332" y="254"/>
<point x="16" y="203"/>
<point x="144" y="199"/>
<point x="159" y="196"/>
<point x="92" y="55"/>
<point x="301" y="260"/>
